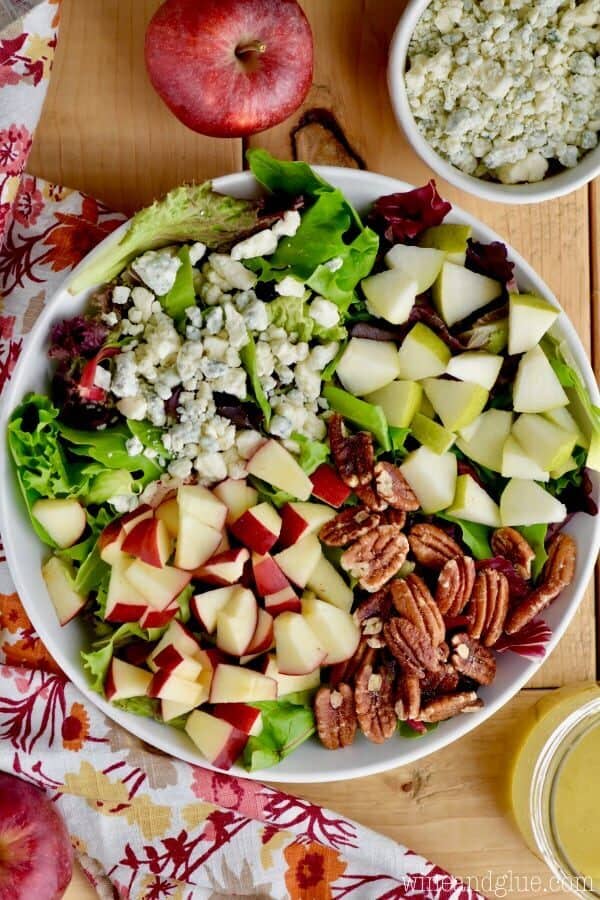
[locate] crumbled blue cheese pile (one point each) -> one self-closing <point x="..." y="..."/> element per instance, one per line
<point x="158" y="360"/>
<point x="500" y="87"/>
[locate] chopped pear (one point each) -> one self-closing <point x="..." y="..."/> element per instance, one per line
<point x="568" y="466"/>
<point x="474" y="504"/>
<point x="431" y="434"/>
<point x="536" y="388"/>
<point x="480" y="368"/>
<point x="483" y="441"/>
<point x="563" y="418"/>
<point x="457" y="403"/>
<point x="390" y="295"/>
<point x="399" y="400"/>
<point x="593" y="457"/>
<point x="529" y="319"/>
<point x="547" y="444"/>
<point x="517" y="464"/>
<point x="489" y="333"/>
<point x="422" y="354"/>
<point x="524" y="502"/>
<point x="457" y="292"/>
<point x="425" y="408"/>
<point x="367" y="365"/>
<point x="452" y="239"/>
<point x="419" y="263"/>
<point x="432" y="477"/>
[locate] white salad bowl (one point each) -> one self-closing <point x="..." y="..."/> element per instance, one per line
<point x="311" y="762"/>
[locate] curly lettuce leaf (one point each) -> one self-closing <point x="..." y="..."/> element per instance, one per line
<point x="287" y="723"/>
<point x="312" y="453"/>
<point x="97" y="660"/>
<point x="109" y="483"/>
<point x="141" y="706"/>
<point x="292" y="314"/>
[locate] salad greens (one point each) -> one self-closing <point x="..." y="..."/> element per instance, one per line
<point x="360" y="413"/>
<point x="287" y="723"/>
<point x="182" y="294"/>
<point x="248" y="357"/>
<point x="292" y="314"/>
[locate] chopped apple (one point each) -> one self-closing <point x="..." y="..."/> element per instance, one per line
<point x="422" y="354"/>
<point x="207" y="606"/>
<point x="158" y="586"/>
<point x="328" y="584"/>
<point x="431" y="434"/>
<point x="476" y="366"/>
<point x="59" y="578"/>
<point x="218" y="741"/>
<point x="298" y="650"/>
<point x="328" y="486"/>
<point x="300" y="519"/>
<point x="285" y="600"/>
<point x="432" y="476"/>
<point x="63" y="521"/>
<point x="299" y="561"/>
<point x="237" y="497"/>
<point x="275" y="465"/>
<point x="524" y="502"/>
<point x="235" y="684"/>
<point x="399" y="401"/>
<point x="419" y="263"/>
<point x="258" y="528"/>
<point x="150" y="542"/>
<point x="536" y="388"/>
<point x="111" y="539"/>
<point x="224" y="568"/>
<point x="262" y="639"/>
<point x="367" y="365"/>
<point x="563" y="418"/>
<point x="167" y="686"/>
<point x="196" y="542"/>
<point x="242" y="716"/>
<point x="474" y="504"/>
<point x="268" y="577"/>
<point x="124" y="681"/>
<point x="197" y="501"/>
<point x="450" y="238"/>
<point x="529" y="318"/>
<point x="180" y="643"/>
<point x="458" y="292"/>
<point x="168" y="512"/>
<point x="153" y="617"/>
<point x="124" y="602"/>
<point x="236" y="622"/>
<point x="547" y="444"/>
<point x="484" y="439"/>
<point x="391" y="295"/>
<point x="457" y="403"/>
<point x="336" y="631"/>
<point x="224" y="544"/>
<point x="516" y="463"/>
<point x="171" y="709"/>
<point x="290" y="684"/>
<point x="170" y="660"/>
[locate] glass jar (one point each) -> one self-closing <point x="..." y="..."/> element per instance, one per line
<point x="555" y="785"/>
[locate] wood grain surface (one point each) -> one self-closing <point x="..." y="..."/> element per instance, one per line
<point x="104" y="131"/>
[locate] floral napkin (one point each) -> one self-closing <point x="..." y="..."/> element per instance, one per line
<point x="146" y="826"/>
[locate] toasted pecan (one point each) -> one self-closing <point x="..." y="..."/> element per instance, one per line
<point x="374" y="703"/>
<point x="558" y="572"/>
<point x="412" y="599"/>
<point x="392" y="486"/>
<point x="489" y="606"/>
<point x="472" y="659"/>
<point x="375" y="557"/>
<point x="454" y="586"/>
<point x="335" y="716"/>
<point x="408" y="697"/>
<point x="412" y="647"/>
<point x="510" y="544"/>
<point x="353" y="455"/>
<point x="450" y="705"/>
<point x="348" y="525"/>
<point x="431" y="546"/>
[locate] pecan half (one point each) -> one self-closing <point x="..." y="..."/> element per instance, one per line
<point x="411" y="647"/>
<point x="408" y="697"/>
<point x="347" y="526"/>
<point x="377" y="605"/>
<point x="396" y="517"/>
<point x="374" y="703"/>
<point x="431" y="546"/>
<point x="489" y="606"/>
<point x="335" y="716"/>
<point x="558" y="572"/>
<point x="412" y="599"/>
<point x="443" y="682"/>
<point x="455" y="584"/>
<point x="507" y="542"/>
<point x="450" y="705"/>
<point x="353" y="454"/>
<point x="472" y="659"/>
<point x="392" y="486"/>
<point x="345" y="671"/>
<point x="375" y="557"/>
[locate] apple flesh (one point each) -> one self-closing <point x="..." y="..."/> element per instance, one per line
<point x="219" y="741"/>
<point x="399" y="401"/>
<point x="168" y="512"/>
<point x="536" y="388"/>
<point x="300" y="560"/>
<point x="150" y="542"/>
<point x="275" y="465"/>
<point x="432" y="476"/>
<point x="166" y="685"/>
<point x="516" y="463"/>
<point x="268" y="577"/>
<point x="241" y="67"/>
<point x="298" y="649"/>
<point x="547" y="444"/>
<point x="237" y="497"/>
<point x="63" y="521"/>
<point x="390" y="295"/>
<point x="207" y="606"/>
<point x="474" y="504"/>
<point x="152" y="617"/>
<point x="124" y="681"/>
<point x="199" y="502"/>
<point x="285" y="600"/>
<point x="243" y="717"/>
<point x="524" y="502"/>
<point x="258" y="528"/>
<point x="36" y="857"/>
<point x="458" y="292"/>
<point x="422" y="354"/>
<point x="300" y="519"/>
<point x="224" y="568"/>
<point x="235" y="684"/>
<point x="529" y="318"/>
<point x="367" y="365"/>
<point x="111" y="539"/>
<point x="236" y="622"/>
<point x="158" y="586"/>
<point x="422" y="264"/>
<point x="196" y="542"/>
<point x="59" y="578"/>
<point x="124" y="602"/>
<point x="336" y="631"/>
<point x="179" y="640"/>
<point x="289" y="684"/>
<point x="457" y="403"/>
<point x="328" y="584"/>
<point x="262" y="639"/>
<point x="171" y="709"/>
<point x="328" y="486"/>
<point x="483" y="439"/>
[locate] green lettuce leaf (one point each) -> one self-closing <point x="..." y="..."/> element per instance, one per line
<point x="184" y="604"/>
<point x="150" y="436"/>
<point x="141" y="706"/>
<point x="182" y="294"/>
<point x="108" y="448"/>
<point x="292" y="314"/>
<point x="359" y="412"/>
<point x="269" y="494"/>
<point x="475" y="536"/>
<point x="286" y="725"/>
<point x="312" y="453"/>
<point x="535" y="535"/>
<point x="248" y="357"/>
<point x="97" y="659"/>
<point x="108" y="483"/>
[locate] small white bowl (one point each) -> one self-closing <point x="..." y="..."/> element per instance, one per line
<point x="553" y="186"/>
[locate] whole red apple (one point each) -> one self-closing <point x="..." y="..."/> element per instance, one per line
<point x="229" y="68"/>
<point x="36" y="857"/>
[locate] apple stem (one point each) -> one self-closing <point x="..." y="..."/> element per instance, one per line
<point x="251" y="47"/>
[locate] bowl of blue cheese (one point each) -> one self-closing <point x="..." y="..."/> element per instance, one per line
<point x="501" y="97"/>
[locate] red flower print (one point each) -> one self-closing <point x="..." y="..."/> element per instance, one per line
<point x="29" y="202"/>
<point x="15" y="143"/>
<point x="7" y="326"/>
<point x="6" y="216"/>
<point x="74" y="236"/>
<point x="75" y="728"/>
<point x="9" y="58"/>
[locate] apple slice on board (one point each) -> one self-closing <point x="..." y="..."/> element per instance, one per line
<point x="63" y="520"/>
<point x="366" y="365"/>
<point x="328" y="486"/>
<point x="236" y="622"/>
<point x="258" y="528"/>
<point x="298" y="649"/>
<point x="219" y="741"/>
<point x="242" y="716"/>
<point x="336" y="630"/>
<point x="237" y="497"/>
<point x="235" y="684"/>
<point x="275" y="465"/>
<point x="59" y="578"/>
<point x="124" y="681"/>
<point x="300" y="519"/>
<point x="328" y="584"/>
<point x="300" y="560"/>
<point x="285" y="600"/>
<point x="206" y="606"/>
<point x="224" y="568"/>
<point x="149" y="541"/>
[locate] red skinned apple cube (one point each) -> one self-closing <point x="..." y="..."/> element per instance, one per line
<point x="63" y="520"/>
<point x="275" y="465"/>
<point x="298" y="649"/>
<point x="59" y="578"/>
<point x="214" y="657"/>
<point x="224" y="568"/>
<point x="168" y="512"/>
<point x="236" y="622"/>
<point x="180" y="639"/>
<point x="158" y="586"/>
<point x="124" y="602"/>
<point x="206" y="606"/>
<point x="197" y="501"/>
<point x="328" y="486"/>
<point x="258" y="528"/>
<point x="286" y="600"/>
<point x="300" y="560"/>
<point x="300" y="519"/>
<point x="124" y="681"/>
<point x="237" y="497"/>
<point x="168" y="686"/>
<point x="158" y="618"/>
<point x="235" y="684"/>
<point x="224" y="545"/>
<point x="150" y="542"/>
<point x="268" y="577"/>
<point x="196" y="542"/>
<point x="219" y="741"/>
<point x="246" y="718"/>
<point x="289" y="684"/>
<point x="171" y="660"/>
<point x="336" y="630"/>
<point x="262" y="639"/>
<point x="328" y="584"/>
<point x="112" y="537"/>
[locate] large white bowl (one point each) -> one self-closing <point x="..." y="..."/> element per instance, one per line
<point x="311" y="763"/>
<point x="554" y="186"/>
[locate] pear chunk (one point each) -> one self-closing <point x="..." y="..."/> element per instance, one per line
<point x="432" y="477"/>
<point x="457" y="403"/>
<point x="529" y="318"/>
<point x="547" y="444"/>
<point x="480" y="368"/>
<point x="391" y="295"/>
<point x="458" y="292"/>
<point x="399" y="401"/>
<point x="367" y="365"/>
<point x="474" y="504"/>
<point x="450" y="238"/>
<point x="536" y="388"/>
<point x="419" y="263"/>
<point x="563" y="418"/>
<point x="483" y="440"/>
<point x="422" y="354"/>
<point x="524" y="502"/>
<point x="431" y="434"/>
<point x="516" y="463"/>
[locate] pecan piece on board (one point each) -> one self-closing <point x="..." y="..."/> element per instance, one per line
<point x="411" y="598"/>
<point x="507" y="542"/>
<point x="558" y="572"/>
<point x="431" y="546"/>
<point x="489" y="606"/>
<point x="392" y="486"/>
<point x="375" y="557"/>
<point x="450" y="705"/>
<point x="411" y="647"/>
<point x="335" y="716"/>
<point x="455" y="584"/>
<point x="348" y="525"/>
<point x="373" y="700"/>
<point x="472" y="659"/>
<point x="408" y="697"/>
<point x="353" y="454"/>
